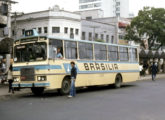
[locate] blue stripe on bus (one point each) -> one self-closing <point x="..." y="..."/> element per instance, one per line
<point x="30" y="84"/>
<point x="109" y="71"/>
<point x="38" y="67"/>
<point x="67" y="68"/>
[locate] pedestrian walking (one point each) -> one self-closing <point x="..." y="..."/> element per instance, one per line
<point x="10" y="79"/>
<point x="154" y="70"/>
<point x="73" y="80"/>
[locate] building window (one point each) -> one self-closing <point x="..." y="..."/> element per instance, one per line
<point x="13" y="32"/>
<point x="45" y="29"/>
<point x="71" y="33"/>
<point x="39" y="30"/>
<point x="96" y="36"/>
<point x="117" y="3"/>
<point x="102" y="36"/>
<point x="65" y="30"/>
<point x="118" y="14"/>
<point x="23" y="31"/>
<point x="55" y="29"/>
<point x="118" y="9"/>
<point x="97" y="4"/>
<point x="71" y="30"/>
<point x="86" y="1"/>
<point x="90" y="36"/>
<point x="83" y="35"/>
<point x="77" y="31"/>
<point x="112" y="39"/>
<point x="89" y="18"/>
<point x="107" y="38"/>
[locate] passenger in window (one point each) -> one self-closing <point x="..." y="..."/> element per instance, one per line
<point x="59" y="55"/>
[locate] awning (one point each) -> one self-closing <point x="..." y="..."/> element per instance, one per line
<point x="122" y="25"/>
<point x="151" y="54"/>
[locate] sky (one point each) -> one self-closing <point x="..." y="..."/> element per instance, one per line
<point x="27" y="6"/>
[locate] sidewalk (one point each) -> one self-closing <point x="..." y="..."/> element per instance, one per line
<point x="4" y="95"/>
<point x="148" y="77"/>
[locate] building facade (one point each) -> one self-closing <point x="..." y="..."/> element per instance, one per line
<point x="98" y="31"/>
<point x="120" y="26"/>
<point x="54" y="22"/>
<point x="3" y="18"/>
<point x="111" y="8"/>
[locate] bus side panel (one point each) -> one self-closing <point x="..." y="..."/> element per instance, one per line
<point x="130" y="77"/>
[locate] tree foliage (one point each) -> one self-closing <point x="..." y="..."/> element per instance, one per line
<point x="150" y="24"/>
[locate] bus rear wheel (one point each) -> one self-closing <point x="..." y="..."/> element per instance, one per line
<point x="37" y="90"/>
<point x="65" y="88"/>
<point x="118" y="81"/>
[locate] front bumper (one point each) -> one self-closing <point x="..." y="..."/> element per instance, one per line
<point x="29" y="85"/>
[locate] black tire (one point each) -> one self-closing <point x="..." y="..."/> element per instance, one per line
<point x="37" y="90"/>
<point x="65" y="87"/>
<point x="118" y="81"/>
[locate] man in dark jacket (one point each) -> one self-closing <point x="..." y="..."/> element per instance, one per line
<point x="154" y="70"/>
<point x="73" y="79"/>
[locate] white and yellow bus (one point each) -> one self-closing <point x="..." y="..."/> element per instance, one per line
<point x="36" y="66"/>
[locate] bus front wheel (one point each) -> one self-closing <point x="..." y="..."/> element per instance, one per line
<point x="118" y="81"/>
<point x="37" y="91"/>
<point x="65" y="87"/>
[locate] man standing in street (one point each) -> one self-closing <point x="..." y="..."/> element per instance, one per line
<point x="73" y="79"/>
<point x="154" y="71"/>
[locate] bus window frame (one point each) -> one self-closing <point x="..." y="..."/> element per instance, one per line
<point x="61" y="46"/>
<point x="92" y="51"/>
<point x="95" y="55"/>
<point x="118" y="56"/>
<point x="124" y="52"/>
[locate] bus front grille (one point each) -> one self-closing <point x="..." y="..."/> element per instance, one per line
<point x="27" y="74"/>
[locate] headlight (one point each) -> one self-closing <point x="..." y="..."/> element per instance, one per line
<point x="16" y="79"/>
<point x="41" y="78"/>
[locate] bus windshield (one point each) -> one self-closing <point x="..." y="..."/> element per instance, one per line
<point x="30" y="52"/>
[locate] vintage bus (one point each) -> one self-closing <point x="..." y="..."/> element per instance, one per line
<point x="37" y="67"/>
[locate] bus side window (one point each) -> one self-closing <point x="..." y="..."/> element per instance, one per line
<point x="54" y="45"/>
<point x="100" y="52"/>
<point x="133" y="54"/>
<point x="86" y="51"/>
<point x="123" y="51"/>
<point x="113" y="53"/>
<point x="70" y="50"/>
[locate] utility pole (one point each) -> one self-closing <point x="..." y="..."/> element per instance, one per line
<point x="15" y="14"/>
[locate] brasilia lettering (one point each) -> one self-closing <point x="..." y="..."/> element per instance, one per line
<point x="100" y="66"/>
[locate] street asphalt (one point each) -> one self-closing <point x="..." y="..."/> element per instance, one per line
<point x="141" y="100"/>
